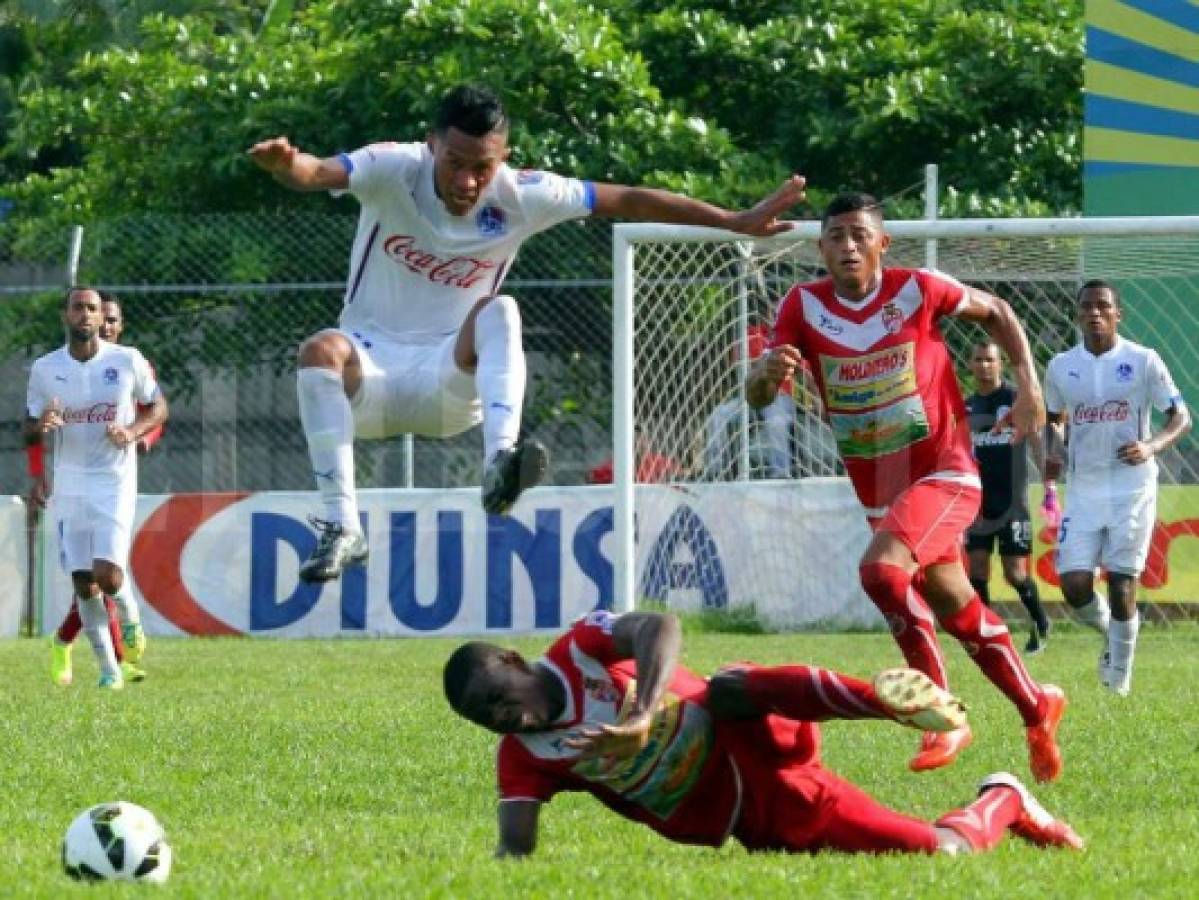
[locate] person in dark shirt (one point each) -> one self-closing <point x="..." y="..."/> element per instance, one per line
<point x="1003" y="465"/>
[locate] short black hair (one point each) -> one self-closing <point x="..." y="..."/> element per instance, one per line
<point x="472" y="109"/>
<point x="1098" y="284"/>
<point x="469" y="659"/>
<point x="79" y="289"/>
<point x="852" y="201"/>
<point x="983" y="343"/>
<point x="110" y="297"/>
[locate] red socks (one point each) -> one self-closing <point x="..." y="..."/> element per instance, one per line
<point x="812" y="694"/>
<point x="72" y="624"/>
<point x="985" y="637"/>
<point x="908" y="616"/>
<point x="984" y="822"/>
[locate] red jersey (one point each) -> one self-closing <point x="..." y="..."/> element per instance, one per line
<point x="680" y="785"/>
<point x="886" y="377"/>
<point x="686" y="784"/>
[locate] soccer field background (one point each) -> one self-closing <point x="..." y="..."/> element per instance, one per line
<point x="334" y="768"/>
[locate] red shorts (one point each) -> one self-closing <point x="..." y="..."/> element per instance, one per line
<point x="930" y="518"/>
<point x="808" y="808"/>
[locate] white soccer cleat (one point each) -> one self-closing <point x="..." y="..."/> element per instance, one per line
<point x="915" y="699"/>
<point x="1115" y="678"/>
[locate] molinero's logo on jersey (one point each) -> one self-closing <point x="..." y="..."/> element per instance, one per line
<point x="452" y="271"/>
<point x="860" y="382"/>
<point x="492" y="221"/>
<point x="892" y="318"/>
<point x="111" y="376"/>
<point x="1096" y="414"/>
<point x="1124" y="372"/>
<point x="878" y="432"/>
<point x="529" y="176"/>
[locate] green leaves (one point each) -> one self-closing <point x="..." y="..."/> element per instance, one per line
<point x="722" y="97"/>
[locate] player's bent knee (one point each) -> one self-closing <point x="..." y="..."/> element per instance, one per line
<point x="1077" y="587"/>
<point x="499" y="312"/>
<point x="109" y="577"/>
<point x="325" y="350"/>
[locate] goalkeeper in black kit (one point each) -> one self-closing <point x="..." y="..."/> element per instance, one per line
<point x="1004" y="517"/>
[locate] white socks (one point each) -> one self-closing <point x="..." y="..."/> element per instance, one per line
<point x="95" y="626"/>
<point x="500" y="375"/>
<point x="329" y="429"/>
<point x="127" y="610"/>
<point x="1122" y="641"/>
<point x="1095" y="612"/>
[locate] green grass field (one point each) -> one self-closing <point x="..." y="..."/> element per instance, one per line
<point x="334" y="769"/>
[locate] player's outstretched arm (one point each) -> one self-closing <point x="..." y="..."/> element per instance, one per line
<point x="640" y="204"/>
<point x="297" y="170"/>
<point x="518" y="827"/>
<point x="1000" y="322"/>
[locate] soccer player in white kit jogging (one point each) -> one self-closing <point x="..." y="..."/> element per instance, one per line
<point x="86" y="395"/>
<point x="1103" y="389"/>
<point x="426" y="344"/>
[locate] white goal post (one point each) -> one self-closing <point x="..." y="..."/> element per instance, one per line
<point x="689" y="307"/>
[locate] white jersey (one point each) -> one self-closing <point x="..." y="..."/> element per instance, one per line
<point x="103" y="390"/>
<point x="1107" y="401"/>
<point x="416" y="270"/>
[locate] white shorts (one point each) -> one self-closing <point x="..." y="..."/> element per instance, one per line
<point x="95" y="526"/>
<point x="1113" y="532"/>
<point x="411" y="388"/>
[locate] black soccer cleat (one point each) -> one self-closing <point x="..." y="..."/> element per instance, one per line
<point x="1037" y="639"/>
<point x="512" y="471"/>
<point x="335" y="549"/>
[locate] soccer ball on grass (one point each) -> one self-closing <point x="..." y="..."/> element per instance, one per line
<point x="117" y="841"/>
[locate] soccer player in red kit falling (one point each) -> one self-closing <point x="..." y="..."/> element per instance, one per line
<point x="871" y="339"/>
<point x="607" y="710"/>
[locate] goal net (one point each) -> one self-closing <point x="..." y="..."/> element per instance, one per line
<point x="741" y="508"/>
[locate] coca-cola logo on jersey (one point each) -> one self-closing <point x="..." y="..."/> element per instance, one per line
<point x="89" y="415"/>
<point x="1111" y="411"/>
<point x="453" y="271"/>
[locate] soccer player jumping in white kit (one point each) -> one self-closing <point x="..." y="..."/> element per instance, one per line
<point x="1103" y="389"/>
<point x="87" y="394"/>
<point x="426" y="344"/>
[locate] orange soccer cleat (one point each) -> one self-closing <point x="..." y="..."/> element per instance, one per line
<point x="1044" y="757"/>
<point x="1035" y="823"/>
<point x="939" y="749"/>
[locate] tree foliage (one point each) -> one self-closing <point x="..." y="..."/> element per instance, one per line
<point x="719" y="98"/>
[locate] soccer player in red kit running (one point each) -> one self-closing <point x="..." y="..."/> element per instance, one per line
<point x="608" y="711"/>
<point x="871" y="339"/>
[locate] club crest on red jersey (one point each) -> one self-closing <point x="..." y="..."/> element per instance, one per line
<point x="892" y="318"/>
